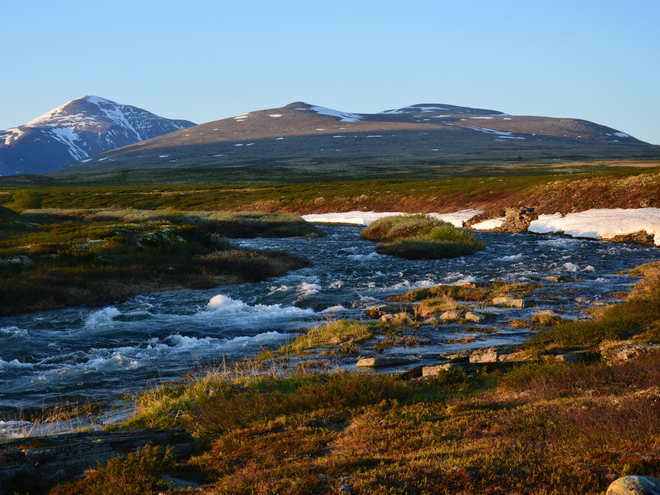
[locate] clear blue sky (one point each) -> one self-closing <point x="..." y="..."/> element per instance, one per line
<point x="205" y="60"/>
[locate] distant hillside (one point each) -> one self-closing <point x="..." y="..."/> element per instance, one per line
<point x="304" y="133"/>
<point x="75" y="131"/>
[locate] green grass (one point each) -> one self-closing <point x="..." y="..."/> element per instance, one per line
<point x="341" y="334"/>
<point x="550" y="193"/>
<point x="638" y="317"/>
<point x="420" y="237"/>
<point x="138" y="473"/>
<point x="53" y="259"/>
<point x="466" y="293"/>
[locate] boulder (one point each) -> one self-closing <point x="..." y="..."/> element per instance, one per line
<point x="635" y="485"/>
<point x="376" y="312"/>
<point x="510" y="302"/>
<point x="517" y="219"/>
<point x="493" y="354"/>
<point x="474" y="317"/>
<point x="626" y="351"/>
<point x="546" y="318"/>
<point x="487" y="355"/>
<point x="451" y="315"/>
<point x="379" y="311"/>
<point x="462" y="356"/>
<point x="429" y="371"/>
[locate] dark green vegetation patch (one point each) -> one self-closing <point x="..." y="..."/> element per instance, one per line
<point x="63" y="258"/>
<point x="420" y="237"/>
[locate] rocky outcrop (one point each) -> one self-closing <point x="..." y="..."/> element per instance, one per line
<point x="517" y="219"/>
<point x="635" y="485"/>
<point x="33" y="464"/>
<point x="625" y="351"/>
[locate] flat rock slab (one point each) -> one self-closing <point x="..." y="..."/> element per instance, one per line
<point x="635" y="485"/>
<point x="43" y="461"/>
<point x="384" y="361"/>
<point x="491" y="354"/>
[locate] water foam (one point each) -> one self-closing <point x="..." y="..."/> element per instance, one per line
<point x="225" y="302"/>
<point x="513" y="257"/>
<point x="222" y="304"/>
<point x="305" y="289"/>
<point x="102" y="317"/>
<point x="13" y="332"/>
<point x="334" y="309"/>
<point x="365" y="257"/>
<point x="13" y="364"/>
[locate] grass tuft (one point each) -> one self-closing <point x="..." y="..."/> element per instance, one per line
<point x="421" y="237"/>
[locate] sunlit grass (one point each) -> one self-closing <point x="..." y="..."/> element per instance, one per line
<point x="420" y="237"/>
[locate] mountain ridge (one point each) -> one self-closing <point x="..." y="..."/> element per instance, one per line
<point x="303" y="131"/>
<point x="80" y="128"/>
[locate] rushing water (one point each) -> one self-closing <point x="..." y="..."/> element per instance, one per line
<point x="99" y="353"/>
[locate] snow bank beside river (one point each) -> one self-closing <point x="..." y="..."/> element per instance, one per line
<point x="595" y="224"/>
<point x="366" y="217"/>
<point x="601" y="223"/>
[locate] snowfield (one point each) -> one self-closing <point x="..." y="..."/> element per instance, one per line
<point x="601" y="223"/>
<point x="366" y="217"/>
<point x="593" y="224"/>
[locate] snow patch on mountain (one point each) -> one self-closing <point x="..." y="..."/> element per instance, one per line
<point x="70" y="138"/>
<point x="10" y="135"/>
<point x="343" y="116"/>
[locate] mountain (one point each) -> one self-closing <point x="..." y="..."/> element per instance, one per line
<point x="79" y="129"/>
<point x="307" y="133"/>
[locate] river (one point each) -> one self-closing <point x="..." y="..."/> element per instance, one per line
<point x="101" y="353"/>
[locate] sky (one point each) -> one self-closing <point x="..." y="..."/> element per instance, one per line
<point x="205" y="60"/>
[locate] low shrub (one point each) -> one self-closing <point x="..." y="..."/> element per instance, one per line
<point x="421" y="237"/>
<point x="135" y="474"/>
<point x="416" y="250"/>
<point x="25" y="200"/>
<point x="400" y="226"/>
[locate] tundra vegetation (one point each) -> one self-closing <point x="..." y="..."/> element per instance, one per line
<point x="541" y="427"/>
<point x="563" y="188"/>
<point x="55" y="258"/>
<point x="420" y="237"/>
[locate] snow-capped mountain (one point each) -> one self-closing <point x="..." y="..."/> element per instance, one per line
<point x="315" y="134"/>
<point x="77" y="130"/>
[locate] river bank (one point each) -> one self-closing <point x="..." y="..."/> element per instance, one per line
<point x="487" y="429"/>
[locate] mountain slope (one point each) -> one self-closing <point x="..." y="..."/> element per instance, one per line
<point x="300" y="131"/>
<point x="81" y="128"/>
